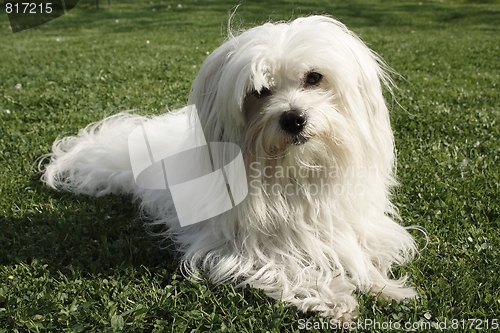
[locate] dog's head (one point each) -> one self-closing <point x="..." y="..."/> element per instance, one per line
<point x="306" y="92"/>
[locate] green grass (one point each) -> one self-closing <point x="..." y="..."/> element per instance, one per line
<point x="73" y="263"/>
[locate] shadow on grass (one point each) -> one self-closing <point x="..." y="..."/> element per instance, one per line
<point x="97" y="236"/>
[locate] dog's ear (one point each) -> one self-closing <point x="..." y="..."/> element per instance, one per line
<point x="220" y="88"/>
<point x="206" y="86"/>
<point x="360" y="74"/>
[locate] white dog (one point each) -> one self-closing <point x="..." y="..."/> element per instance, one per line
<point x="303" y="100"/>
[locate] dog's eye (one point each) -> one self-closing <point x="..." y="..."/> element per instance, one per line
<point x="313" y="78"/>
<point x="264" y="92"/>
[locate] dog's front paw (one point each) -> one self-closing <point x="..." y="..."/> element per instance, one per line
<point x="396" y="293"/>
<point x="343" y="309"/>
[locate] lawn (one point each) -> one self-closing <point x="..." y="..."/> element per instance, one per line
<point x="74" y="264"/>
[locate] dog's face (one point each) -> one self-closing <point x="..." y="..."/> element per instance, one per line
<point x="286" y="112"/>
<point x="307" y="92"/>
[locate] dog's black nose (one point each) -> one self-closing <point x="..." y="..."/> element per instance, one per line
<point x="293" y="121"/>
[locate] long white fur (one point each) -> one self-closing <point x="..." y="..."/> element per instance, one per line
<point x="309" y="248"/>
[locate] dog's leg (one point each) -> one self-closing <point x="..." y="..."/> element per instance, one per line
<point x="395" y="247"/>
<point x="309" y="290"/>
<point x="389" y="288"/>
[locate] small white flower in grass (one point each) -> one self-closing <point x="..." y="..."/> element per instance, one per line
<point x="179" y="6"/>
<point x="117" y="21"/>
<point x="58" y="39"/>
<point x="7" y="111"/>
<point x="477" y="144"/>
<point x="19" y="86"/>
<point x="147" y="42"/>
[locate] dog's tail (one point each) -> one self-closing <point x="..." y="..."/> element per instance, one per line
<point x="97" y="161"/>
<point x="94" y="162"/>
